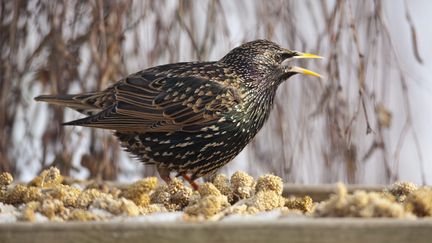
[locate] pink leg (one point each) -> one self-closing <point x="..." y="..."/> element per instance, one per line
<point x="191" y="182"/>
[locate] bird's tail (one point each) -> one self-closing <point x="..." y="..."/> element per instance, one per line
<point x="77" y="102"/>
<point x="61" y="100"/>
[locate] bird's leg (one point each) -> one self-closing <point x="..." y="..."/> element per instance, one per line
<point x="164" y="173"/>
<point x="191" y="182"/>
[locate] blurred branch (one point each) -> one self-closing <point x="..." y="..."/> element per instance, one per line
<point x="413" y="34"/>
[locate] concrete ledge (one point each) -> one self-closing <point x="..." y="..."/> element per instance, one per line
<point x="301" y="230"/>
<point x="323" y="192"/>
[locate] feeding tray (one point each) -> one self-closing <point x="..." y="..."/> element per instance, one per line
<point x="239" y="209"/>
<point x="322" y="230"/>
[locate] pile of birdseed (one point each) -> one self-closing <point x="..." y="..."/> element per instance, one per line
<point x="50" y="197"/>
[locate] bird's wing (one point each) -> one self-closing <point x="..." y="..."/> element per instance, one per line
<point x="148" y="102"/>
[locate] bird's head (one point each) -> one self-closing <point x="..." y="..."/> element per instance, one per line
<point x="266" y="63"/>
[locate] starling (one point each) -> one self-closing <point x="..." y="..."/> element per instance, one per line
<point x="191" y="117"/>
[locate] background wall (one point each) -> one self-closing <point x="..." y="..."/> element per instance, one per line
<point x="368" y="121"/>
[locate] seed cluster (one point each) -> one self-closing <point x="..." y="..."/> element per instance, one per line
<point x="51" y="197"/>
<point x="402" y="200"/>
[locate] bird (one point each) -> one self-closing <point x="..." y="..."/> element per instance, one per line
<point x="190" y="118"/>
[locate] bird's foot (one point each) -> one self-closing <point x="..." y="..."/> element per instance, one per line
<point x="191" y="182"/>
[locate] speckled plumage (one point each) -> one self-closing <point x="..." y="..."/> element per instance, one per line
<point x="191" y="117"/>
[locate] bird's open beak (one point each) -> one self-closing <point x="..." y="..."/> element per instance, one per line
<point x="306" y="55"/>
<point x="304" y="71"/>
<point x="298" y="55"/>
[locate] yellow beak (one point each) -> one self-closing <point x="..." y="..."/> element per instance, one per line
<point x="306" y="55"/>
<point x="304" y="71"/>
